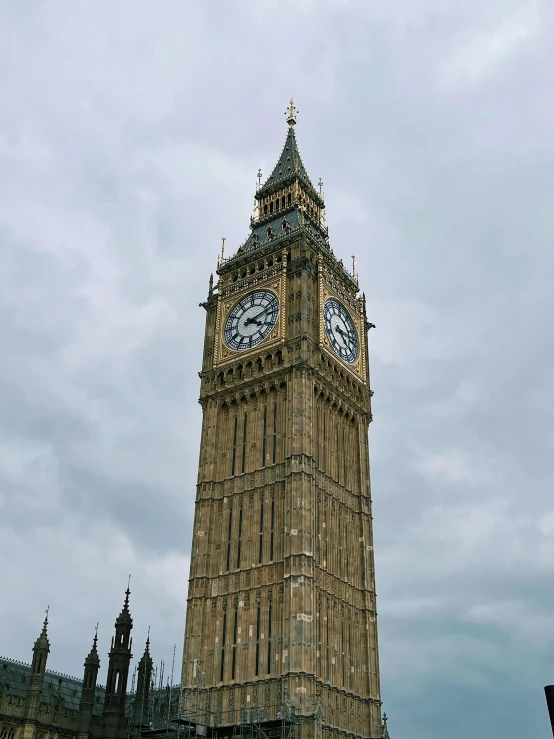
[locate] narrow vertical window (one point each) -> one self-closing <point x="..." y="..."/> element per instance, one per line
<point x="343" y="649"/>
<point x="234" y="663"/>
<point x="274" y="433"/>
<point x="229" y="531"/>
<point x="239" y="542"/>
<point x="325" y="545"/>
<point x="272" y="531"/>
<point x="264" y="441"/>
<point x="269" y="641"/>
<point x="346" y="555"/>
<point x="340" y="572"/>
<point x="317" y="434"/>
<point x="234" y="447"/>
<point x="328" y="661"/>
<point x="258" y="642"/>
<point x="324" y="450"/>
<point x="317" y="533"/>
<point x="261" y="542"/>
<point x="244" y="443"/>
<point x="223" y="641"/>
<point x="343" y="453"/>
<point x="350" y="659"/>
<point x="337" y="457"/>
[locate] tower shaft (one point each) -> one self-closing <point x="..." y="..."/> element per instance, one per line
<point x="281" y="611"/>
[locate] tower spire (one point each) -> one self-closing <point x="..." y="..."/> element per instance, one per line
<point x="90" y="676"/>
<point x="42" y="642"/>
<point x="41" y="649"/>
<point x="144" y="677"/>
<point x="118" y="671"/>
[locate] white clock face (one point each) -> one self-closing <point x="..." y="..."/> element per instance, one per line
<point x="340" y="330"/>
<point x="251" y="320"/>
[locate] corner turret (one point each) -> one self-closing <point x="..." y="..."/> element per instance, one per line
<point x="118" y="673"/>
<point x="144" y="676"/>
<point x="90" y="676"/>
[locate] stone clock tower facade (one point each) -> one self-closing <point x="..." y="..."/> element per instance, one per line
<point x="281" y="614"/>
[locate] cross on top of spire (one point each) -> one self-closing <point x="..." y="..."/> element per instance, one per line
<point x="291" y="113"/>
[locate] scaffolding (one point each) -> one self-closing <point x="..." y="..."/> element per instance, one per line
<point x="253" y="723"/>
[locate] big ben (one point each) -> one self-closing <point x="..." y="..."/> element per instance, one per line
<point x="281" y="611"/>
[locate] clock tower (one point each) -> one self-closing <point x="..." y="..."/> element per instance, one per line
<point x="281" y="613"/>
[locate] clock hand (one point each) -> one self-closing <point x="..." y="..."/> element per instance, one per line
<point x="253" y="319"/>
<point x="344" y="335"/>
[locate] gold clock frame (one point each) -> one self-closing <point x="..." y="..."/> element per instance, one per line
<point x="355" y="310"/>
<point x="276" y="284"/>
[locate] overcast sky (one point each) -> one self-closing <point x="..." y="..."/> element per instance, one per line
<point x="131" y="133"/>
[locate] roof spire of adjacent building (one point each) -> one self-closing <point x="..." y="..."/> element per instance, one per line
<point x="127" y="594"/>
<point x="125" y="615"/>
<point x="42" y="641"/>
<point x="93" y="657"/>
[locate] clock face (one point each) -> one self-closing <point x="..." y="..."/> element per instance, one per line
<point x="340" y="330"/>
<point x="251" y="320"/>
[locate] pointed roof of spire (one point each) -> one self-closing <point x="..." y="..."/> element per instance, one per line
<point x="146" y="657"/>
<point x="42" y="641"/>
<point x="93" y="658"/>
<point x="290" y="163"/>
<point x="125" y="615"/>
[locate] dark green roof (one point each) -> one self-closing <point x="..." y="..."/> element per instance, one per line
<point x="282" y="225"/>
<point x="290" y="165"/>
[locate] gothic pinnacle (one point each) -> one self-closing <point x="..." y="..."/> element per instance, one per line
<point x="42" y="641"/>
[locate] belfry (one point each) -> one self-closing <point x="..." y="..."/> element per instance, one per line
<point x="281" y="615"/>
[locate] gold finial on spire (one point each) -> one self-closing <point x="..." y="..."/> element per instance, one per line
<point x="259" y="176"/>
<point x="220" y="258"/>
<point x="291" y="113"/>
<point x="353" y="265"/>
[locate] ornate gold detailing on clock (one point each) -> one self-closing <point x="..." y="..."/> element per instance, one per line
<point x="341" y="326"/>
<point x="251" y="310"/>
